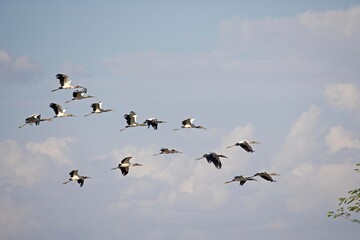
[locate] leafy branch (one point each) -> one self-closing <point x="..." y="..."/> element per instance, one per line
<point x="348" y="205"/>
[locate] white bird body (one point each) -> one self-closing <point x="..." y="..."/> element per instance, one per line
<point x="266" y="176"/>
<point x="131" y="121"/>
<point x="97" y="108"/>
<point x="34" y="119"/>
<point x="74" y="176"/>
<point x="125" y="165"/>
<point x="242" y="180"/>
<point x="153" y="122"/>
<point x="59" y="111"/>
<point x="167" y="151"/>
<point x="214" y="158"/>
<point x="78" y="95"/>
<point x="65" y="82"/>
<point x="245" y="144"/>
<point x="189" y="123"/>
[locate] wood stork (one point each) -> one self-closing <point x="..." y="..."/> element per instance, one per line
<point x="97" y="108"/>
<point x="167" y="151"/>
<point x="214" y="158"/>
<point x="241" y="179"/>
<point x="79" y="94"/>
<point x="153" y="122"/>
<point x="131" y="121"/>
<point x="189" y="123"/>
<point x="74" y="176"/>
<point x="59" y="111"/>
<point x="125" y="165"/>
<point x="65" y="82"/>
<point x="34" y="119"/>
<point x="266" y="176"/>
<point x="245" y="145"/>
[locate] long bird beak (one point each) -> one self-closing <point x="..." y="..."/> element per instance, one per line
<point x="274" y="174"/>
<point x="124" y="128"/>
<point x="114" y="168"/>
<point x="199" y="158"/>
<point x="22" y="125"/>
<point x="231" y="146"/>
<point x="66" y="182"/>
<point x="228" y="182"/>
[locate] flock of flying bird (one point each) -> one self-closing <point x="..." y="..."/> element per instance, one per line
<point x="125" y="164"/>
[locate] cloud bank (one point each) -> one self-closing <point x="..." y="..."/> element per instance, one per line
<point x="20" y="69"/>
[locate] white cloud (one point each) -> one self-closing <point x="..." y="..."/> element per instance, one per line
<point x="311" y="185"/>
<point x="308" y="34"/>
<point x="20" y="69"/>
<point x="246" y="132"/>
<point x="304" y="47"/>
<point x="339" y="22"/>
<point x="276" y="225"/>
<point x="299" y="162"/>
<point x="339" y="138"/>
<point x="197" y="183"/>
<point x="301" y="141"/>
<point x="15" y="219"/>
<point x="184" y="181"/>
<point x="56" y="148"/>
<point x="26" y="166"/>
<point x="18" y="168"/>
<point x="304" y="169"/>
<point x="239" y="133"/>
<point x="343" y="96"/>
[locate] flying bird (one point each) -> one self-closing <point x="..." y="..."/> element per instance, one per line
<point x="125" y="165"/>
<point x="34" y="119"/>
<point x="214" y="158"/>
<point x="97" y="108"/>
<point x="153" y="122"/>
<point x="79" y="94"/>
<point x="167" y="151"/>
<point x="266" y="176"/>
<point x="59" y="111"/>
<point x="131" y="121"/>
<point x="74" y="176"/>
<point x="65" y="82"/>
<point x="245" y="145"/>
<point x="241" y="179"/>
<point x="189" y="123"/>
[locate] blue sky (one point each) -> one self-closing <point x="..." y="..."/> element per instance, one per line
<point x="283" y="73"/>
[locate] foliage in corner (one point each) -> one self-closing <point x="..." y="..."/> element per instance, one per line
<point x="348" y="206"/>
